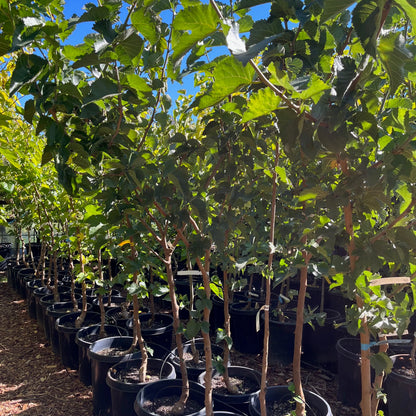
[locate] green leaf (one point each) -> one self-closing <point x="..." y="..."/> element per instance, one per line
<point x="381" y="362"/>
<point x="366" y="18"/>
<point x="192" y="329"/>
<point x="261" y="103"/>
<point x="394" y="55"/>
<point x="230" y="75"/>
<point x="28" y="68"/>
<point x="333" y="7"/>
<point x="100" y="89"/>
<point x="334" y="141"/>
<point x="410" y="10"/>
<point x="145" y="24"/>
<point x="190" y="26"/>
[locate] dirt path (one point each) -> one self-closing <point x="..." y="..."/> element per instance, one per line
<point x="33" y="381"/>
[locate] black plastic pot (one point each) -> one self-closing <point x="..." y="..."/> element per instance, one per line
<point x="100" y="364"/>
<point x="216" y="317"/>
<point x="168" y="387"/>
<point x="53" y="312"/>
<point x="65" y="325"/>
<point x="401" y="388"/>
<point x="20" y="284"/>
<point x="246" y="338"/>
<point x="38" y="294"/>
<point x="123" y="393"/>
<point x="160" y="333"/>
<point x="30" y="298"/>
<point x="349" y="373"/>
<point x="281" y="394"/>
<point x="84" y="338"/>
<point x="47" y="300"/>
<point x="240" y="402"/>
<point x="318" y="343"/>
<point x="193" y="370"/>
<point x="281" y="338"/>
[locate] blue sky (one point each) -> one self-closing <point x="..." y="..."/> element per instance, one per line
<point x="76" y="7"/>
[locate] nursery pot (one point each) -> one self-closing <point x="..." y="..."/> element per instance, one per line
<point x="30" y="298"/>
<point x="281" y="394"/>
<point x="400" y="386"/>
<point x="20" y="284"/>
<point x="165" y="388"/>
<point x="47" y="300"/>
<point x="318" y="342"/>
<point x="193" y="369"/>
<point x="216" y="317"/>
<point x="349" y="373"/>
<point x="161" y="329"/>
<point x="246" y="338"/>
<point x="65" y="325"/>
<point x="281" y="338"/>
<point x="246" y="379"/>
<point x="101" y="361"/>
<point x="53" y="312"/>
<point x="84" y="338"/>
<point x="124" y="386"/>
<point x="39" y="293"/>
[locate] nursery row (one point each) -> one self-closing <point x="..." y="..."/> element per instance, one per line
<point x="100" y="348"/>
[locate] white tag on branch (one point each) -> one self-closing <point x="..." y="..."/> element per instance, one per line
<point x="234" y="43"/>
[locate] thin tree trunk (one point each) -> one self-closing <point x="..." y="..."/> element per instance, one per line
<point x="266" y="336"/>
<point x="206" y="337"/>
<point x="179" y="406"/>
<point x="378" y="381"/>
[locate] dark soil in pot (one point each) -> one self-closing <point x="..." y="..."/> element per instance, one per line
<point x="123" y="380"/>
<point x="158" y="398"/>
<point x="103" y="354"/>
<point x="158" y="330"/>
<point x="114" y="302"/>
<point x="65" y="325"/>
<point x="246" y="380"/>
<point x="280" y="402"/>
<point x="122" y="314"/>
<point x="194" y="368"/>
<point x="400" y="386"/>
<point x="84" y="338"/>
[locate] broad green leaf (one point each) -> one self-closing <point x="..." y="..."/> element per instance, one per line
<point x="145" y="24"/>
<point x="399" y="103"/>
<point x="410" y="10"/>
<point x="190" y="26"/>
<point x="246" y="4"/>
<point x="11" y="156"/>
<point x="28" y="68"/>
<point x="404" y="192"/>
<point x="261" y="103"/>
<point x="314" y="91"/>
<point x="333" y="7"/>
<point x="381" y="362"/>
<point x="366" y="18"/>
<point x="100" y="89"/>
<point x="394" y="55"/>
<point x="95" y="14"/>
<point x="230" y="75"/>
<point x="139" y="84"/>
